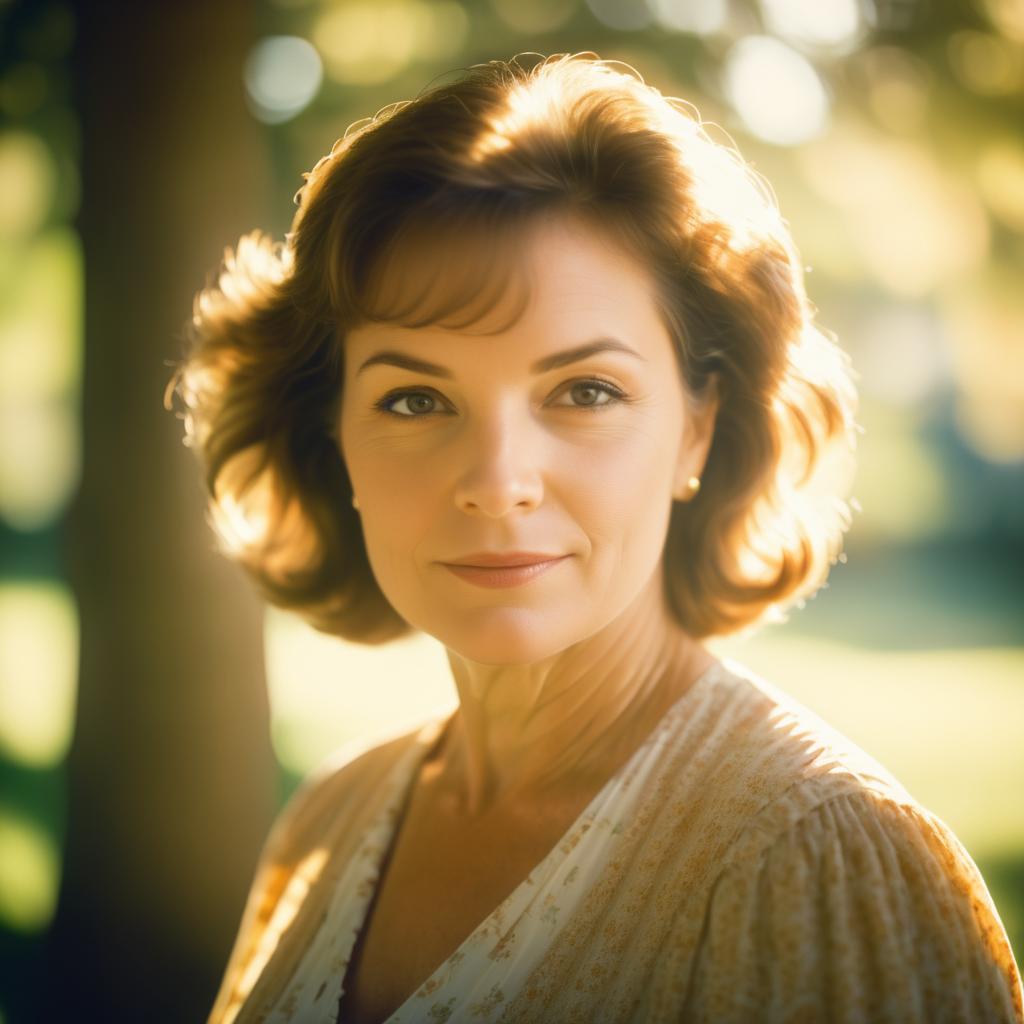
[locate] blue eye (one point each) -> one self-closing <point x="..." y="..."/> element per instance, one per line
<point x="418" y="402"/>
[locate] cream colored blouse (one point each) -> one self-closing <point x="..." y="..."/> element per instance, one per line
<point x="748" y="863"/>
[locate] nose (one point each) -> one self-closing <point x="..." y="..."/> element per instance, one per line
<point x="500" y="472"/>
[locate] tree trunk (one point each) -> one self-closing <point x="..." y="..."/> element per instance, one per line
<point x="171" y="777"/>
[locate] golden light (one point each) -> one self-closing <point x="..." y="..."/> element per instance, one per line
<point x="522" y="107"/>
<point x="1000" y="176"/>
<point x="703" y="18"/>
<point x="987" y="64"/>
<point x="986" y="318"/>
<point x="302" y="878"/>
<point x="28" y="178"/>
<point x="897" y="85"/>
<point x="915" y="224"/>
<point x="40" y="366"/>
<point x="239" y="526"/>
<point x="833" y="25"/>
<point x="38" y="672"/>
<point x="282" y="75"/>
<point x="366" y="43"/>
<point x="776" y="91"/>
<point x="29" y="873"/>
<point x="1007" y="16"/>
<point x="325" y="691"/>
<point x="532" y="16"/>
<point x="40" y="461"/>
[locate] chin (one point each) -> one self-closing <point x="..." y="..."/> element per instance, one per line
<point x="506" y="636"/>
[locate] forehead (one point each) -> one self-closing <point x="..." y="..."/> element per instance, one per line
<point x="549" y="275"/>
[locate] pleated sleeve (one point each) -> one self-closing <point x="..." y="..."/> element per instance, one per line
<point x="865" y="909"/>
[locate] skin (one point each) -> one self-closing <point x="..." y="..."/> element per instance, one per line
<point x="561" y="678"/>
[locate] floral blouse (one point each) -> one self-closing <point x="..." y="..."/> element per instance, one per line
<point x="748" y="863"/>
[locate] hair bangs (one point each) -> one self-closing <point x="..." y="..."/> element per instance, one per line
<point x="457" y="268"/>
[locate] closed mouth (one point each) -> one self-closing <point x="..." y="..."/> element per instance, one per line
<point x="510" y="561"/>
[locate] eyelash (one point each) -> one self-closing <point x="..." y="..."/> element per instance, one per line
<point x="617" y="396"/>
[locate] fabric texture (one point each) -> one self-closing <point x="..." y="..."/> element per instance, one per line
<point x="748" y="863"/>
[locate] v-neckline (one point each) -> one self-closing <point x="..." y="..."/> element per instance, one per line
<point x="405" y="774"/>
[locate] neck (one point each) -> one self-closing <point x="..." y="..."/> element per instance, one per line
<point x="555" y="726"/>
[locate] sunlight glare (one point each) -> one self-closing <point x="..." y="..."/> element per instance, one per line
<point x="28" y="178"/>
<point x="700" y="18"/>
<point x="776" y="91"/>
<point x="1000" y="176"/>
<point x="29" y="873"/>
<point x="366" y="43"/>
<point x="40" y="371"/>
<point x="38" y="672"/>
<point x="325" y="691"/>
<point x="282" y="76"/>
<point x="833" y="25"/>
<point x="915" y="223"/>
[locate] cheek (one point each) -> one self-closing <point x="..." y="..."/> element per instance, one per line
<point x="403" y="506"/>
<point x="403" y="493"/>
<point x="623" y="480"/>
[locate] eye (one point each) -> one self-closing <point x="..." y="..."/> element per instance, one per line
<point x="591" y="389"/>
<point x="417" y="402"/>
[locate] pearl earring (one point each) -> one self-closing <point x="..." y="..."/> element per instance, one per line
<point x="355" y="502"/>
<point x="694" y="485"/>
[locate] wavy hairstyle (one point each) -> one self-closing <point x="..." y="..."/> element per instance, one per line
<point x="261" y="378"/>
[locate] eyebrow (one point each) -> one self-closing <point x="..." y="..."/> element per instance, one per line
<point x="552" y="362"/>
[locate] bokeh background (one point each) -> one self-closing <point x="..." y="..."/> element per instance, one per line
<point x="154" y="715"/>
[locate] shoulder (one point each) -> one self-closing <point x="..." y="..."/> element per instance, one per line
<point x="333" y="802"/>
<point x="838" y="896"/>
<point x="748" y="761"/>
<point x="863" y="908"/>
<point x="781" y="749"/>
<point x="348" y="782"/>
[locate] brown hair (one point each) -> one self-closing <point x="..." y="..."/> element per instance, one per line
<point x="261" y="377"/>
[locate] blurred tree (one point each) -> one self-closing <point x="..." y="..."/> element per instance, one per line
<point x="171" y="771"/>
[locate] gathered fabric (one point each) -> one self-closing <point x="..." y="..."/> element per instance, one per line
<point x="747" y="863"/>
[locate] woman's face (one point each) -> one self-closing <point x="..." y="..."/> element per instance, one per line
<point x="510" y="445"/>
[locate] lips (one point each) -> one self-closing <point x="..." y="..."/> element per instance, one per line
<point x="506" y="575"/>
<point x="506" y="559"/>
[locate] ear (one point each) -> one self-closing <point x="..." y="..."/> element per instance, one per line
<point x="698" y="432"/>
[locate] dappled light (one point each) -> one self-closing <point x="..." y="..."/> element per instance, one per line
<point x="776" y="91"/>
<point x="29" y="873"/>
<point x="282" y="76"/>
<point x="38" y="668"/>
<point x="324" y="692"/>
<point x="834" y="26"/>
<point x="40" y="367"/>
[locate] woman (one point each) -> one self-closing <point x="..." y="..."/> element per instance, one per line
<point x="535" y="373"/>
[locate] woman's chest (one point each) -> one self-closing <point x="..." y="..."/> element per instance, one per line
<point x="414" y="927"/>
<point x="433" y="894"/>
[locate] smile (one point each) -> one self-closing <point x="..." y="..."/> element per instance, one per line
<point x="503" y="576"/>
